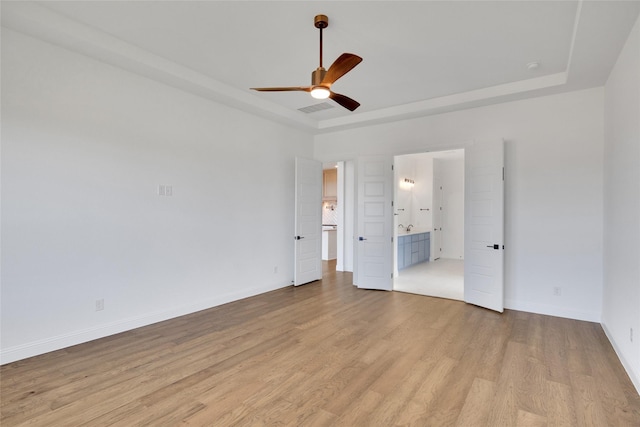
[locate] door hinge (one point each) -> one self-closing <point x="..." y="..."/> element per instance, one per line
<point x="503" y="173"/>
<point x="392" y="275"/>
<point x="391" y="167"/>
<point x="391" y="239"/>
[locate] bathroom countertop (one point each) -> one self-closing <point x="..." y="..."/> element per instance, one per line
<point x="413" y="231"/>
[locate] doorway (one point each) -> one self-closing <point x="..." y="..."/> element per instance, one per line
<point x="338" y="211"/>
<point x="330" y="211"/>
<point x="429" y="224"/>
<point x="483" y="251"/>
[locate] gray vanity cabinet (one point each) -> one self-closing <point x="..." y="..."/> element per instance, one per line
<point x="413" y="249"/>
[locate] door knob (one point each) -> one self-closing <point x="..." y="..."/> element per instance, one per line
<point x="361" y="238"/>
<point x="299" y="237"/>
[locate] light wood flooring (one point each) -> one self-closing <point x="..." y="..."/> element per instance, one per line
<point x="329" y="354"/>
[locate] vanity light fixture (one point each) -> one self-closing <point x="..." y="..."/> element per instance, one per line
<point x="409" y="181"/>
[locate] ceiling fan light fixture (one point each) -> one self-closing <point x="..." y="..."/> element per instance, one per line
<point x="320" y="92"/>
<point x="321" y="78"/>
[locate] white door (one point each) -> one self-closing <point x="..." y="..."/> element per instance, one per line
<point x="484" y="229"/>
<point x="374" y="223"/>
<point x="308" y="221"/>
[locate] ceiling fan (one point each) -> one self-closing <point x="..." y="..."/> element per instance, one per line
<point x="321" y="79"/>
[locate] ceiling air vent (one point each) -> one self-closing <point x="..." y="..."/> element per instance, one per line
<point x="316" y="107"/>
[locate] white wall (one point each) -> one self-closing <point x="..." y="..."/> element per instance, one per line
<point x="452" y="174"/>
<point x="349" y="214"/>
<point x="621" y="296"/>
<point x="84" y="148"/>
<point x="553" y="197"/>
<point x="404" y="168"/>
<point x="423" y="192"/>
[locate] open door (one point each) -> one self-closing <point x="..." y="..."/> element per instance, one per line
<point x="374" y="223"/>
<point x="308" y="222"/>
<point x="484" y="225"/>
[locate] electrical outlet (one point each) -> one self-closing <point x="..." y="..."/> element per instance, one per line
<point x="161" y="190"/>
<point x="557" y="291"/>
<point x="275" y="269"/>
<point x="99" y="304"/>
<point x="169" y="190"/>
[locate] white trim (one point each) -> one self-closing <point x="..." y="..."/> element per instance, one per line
<point x="46" y="345"/>
<point x="633" y="376"/>
<point x="473" y="98"/>
<point x="45" y="24"/>
<point x="551" y="310"/>
<point x="340" y="216"/>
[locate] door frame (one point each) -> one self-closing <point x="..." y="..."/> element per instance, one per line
<point x="464" y="145"/>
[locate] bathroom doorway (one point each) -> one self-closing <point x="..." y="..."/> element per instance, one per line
<point x="429" y="224"/>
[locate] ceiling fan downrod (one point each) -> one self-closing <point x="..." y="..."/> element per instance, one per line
<point x="321" y="22"/>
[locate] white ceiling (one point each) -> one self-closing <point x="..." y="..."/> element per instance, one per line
<point x="420" y="57"/>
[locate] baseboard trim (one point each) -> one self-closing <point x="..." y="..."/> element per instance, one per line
<point x="633" y="376"/>
<point x="59" y="342"/>
<point x="552" y="311"/>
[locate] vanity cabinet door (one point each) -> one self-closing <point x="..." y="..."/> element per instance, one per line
<point x="407" y="252"/>
<point x="427" y="247"/>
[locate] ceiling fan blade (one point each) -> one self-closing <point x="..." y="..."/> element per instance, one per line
<point x="345" y="101"/>
<point x="340" y="67"/>
<point x="283" y="89"/>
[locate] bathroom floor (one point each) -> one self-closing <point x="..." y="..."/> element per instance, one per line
<point x="443" y="278"/>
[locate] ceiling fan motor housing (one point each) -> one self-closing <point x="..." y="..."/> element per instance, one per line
<point x="317" y="76"/>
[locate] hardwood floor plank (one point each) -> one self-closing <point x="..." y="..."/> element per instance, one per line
<point x="589" y="409"/>
<point x="475" y="410"/>
<point x="555" y="352"/>
<point x="422" y="406"/>
<point x="360" y="410"/>
<point x="504" y="408"/>
<point x="490" y="342"/>
<point x="527" y="419"/>
<point x="560" y="407"/>
<point x="359" y="383"/>
<point x="217" y="407"/>
<point x="328" y="353"/>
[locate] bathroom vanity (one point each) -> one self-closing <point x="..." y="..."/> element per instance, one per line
<point x="414" y="247"/>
